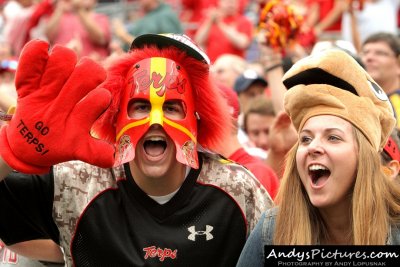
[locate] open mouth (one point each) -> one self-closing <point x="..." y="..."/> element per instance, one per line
<point x="155" y="146"/>
<point x="319" y="174"/>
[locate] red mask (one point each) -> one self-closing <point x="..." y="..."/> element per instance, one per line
<point x="157" y="80"/>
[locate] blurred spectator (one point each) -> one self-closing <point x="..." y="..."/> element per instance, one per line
<point x="372" y="17"/>
<point x="157" y="17"/>
<point x="380" y="55"/>
<point x="324" y="18"/>
<point x="321" y="21"/>
<point x="274" y="67"/>
<point x="6" y="102"/>
<point x="282" y="135"/>
<point x="225" y="30"/>
<point x="35" y="24"/>
<point x="249" y="85"/>
<point x="193" y="11"/>
<point x="8" y="65"/>
<point x="227" y="68"/>
<point x="398" y="18"/>
<point x="257" y="120"/>
<point x="235" y="151"/>
<point x="76" y="24"/>
<point x="16" y="15"/>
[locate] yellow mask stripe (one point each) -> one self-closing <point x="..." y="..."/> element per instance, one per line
<point x="180" y="128"/>
<point x="158" y="66"/>
<point x="131" y="125"/>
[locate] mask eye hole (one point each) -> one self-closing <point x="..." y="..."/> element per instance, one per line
<point x="139" y="109"/>
<point x="174" y="109"/>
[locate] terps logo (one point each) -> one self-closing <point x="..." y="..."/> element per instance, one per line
<point x="162" y="254"/>
<point x="171" y="81"/>
<point x="206" y="233"/>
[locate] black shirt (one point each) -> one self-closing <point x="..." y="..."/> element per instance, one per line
<point x="102" y="218"/>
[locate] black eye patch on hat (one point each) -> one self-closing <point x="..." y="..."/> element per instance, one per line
<point x="318" y="76"/>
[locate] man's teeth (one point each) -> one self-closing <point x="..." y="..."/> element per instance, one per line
<point x="317" y="168"/>
<point x="155" y="139"/>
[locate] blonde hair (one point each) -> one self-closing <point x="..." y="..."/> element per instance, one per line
<point x="375" y="204"/>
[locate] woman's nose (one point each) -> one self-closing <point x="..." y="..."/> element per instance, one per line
<point x="315" y="147"/>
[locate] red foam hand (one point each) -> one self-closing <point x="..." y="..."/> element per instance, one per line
<point x="58" y="102"/>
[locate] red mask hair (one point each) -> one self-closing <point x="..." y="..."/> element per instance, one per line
<point x="213" y="123"/>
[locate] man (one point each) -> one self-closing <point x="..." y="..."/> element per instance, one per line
<point x="380" y="56"/>
<point x="155" y="16"/>
<point x="249" y="85"/>
<point x="158" y="201"/>
<point x="78" y="25"/>
<point x="227" y="68"/>
<point x="257" y="121"/>
<point x="235" y="151"/>
<point x="225" y="30"/>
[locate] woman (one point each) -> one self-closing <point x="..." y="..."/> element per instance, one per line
<point x="333" y="188"/>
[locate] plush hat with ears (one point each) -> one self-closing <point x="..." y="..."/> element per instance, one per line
<point x="210" y="105"/>
<point x="333" y="83"/>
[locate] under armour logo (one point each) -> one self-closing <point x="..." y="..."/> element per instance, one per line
<point x="194" y="233"/>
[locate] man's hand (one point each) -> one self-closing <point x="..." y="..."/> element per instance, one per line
<point x="58" y="102"/>
<point x="282" y="137"/>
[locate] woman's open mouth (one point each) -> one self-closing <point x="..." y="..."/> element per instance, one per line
<point x="319" y="174"/>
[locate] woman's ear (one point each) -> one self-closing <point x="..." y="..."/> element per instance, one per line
<point x="394" y="167"/>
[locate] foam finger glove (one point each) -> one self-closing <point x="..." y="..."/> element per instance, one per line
<point x="58" y="102"/>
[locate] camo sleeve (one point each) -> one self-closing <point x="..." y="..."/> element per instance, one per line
<point x="240" y="184"/>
